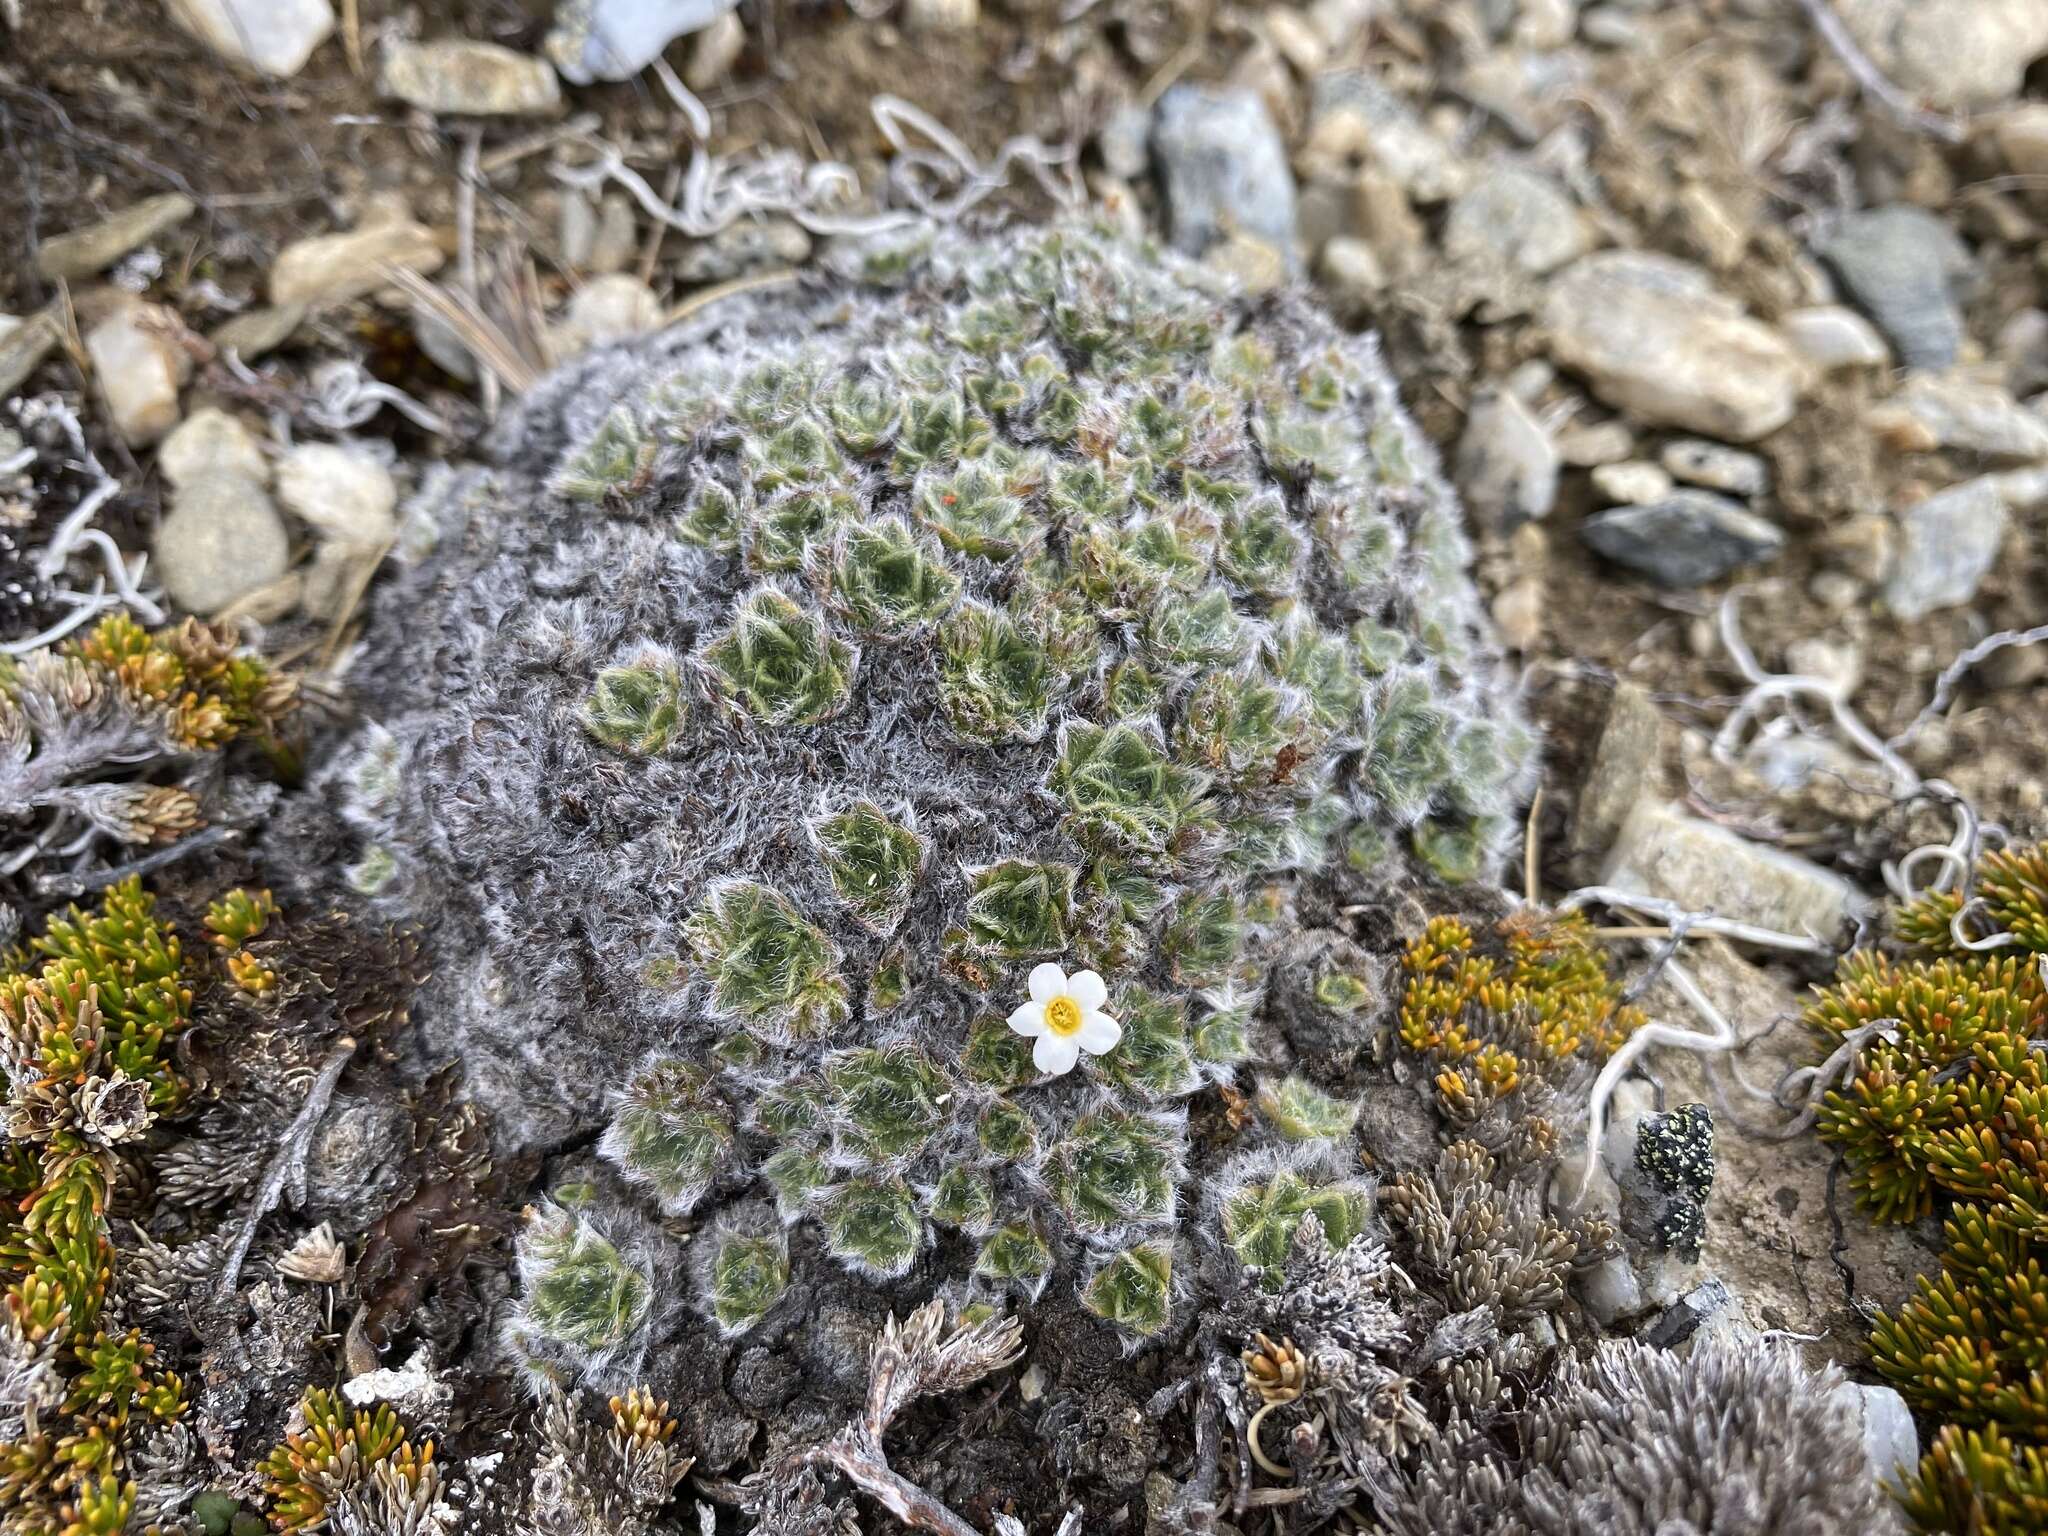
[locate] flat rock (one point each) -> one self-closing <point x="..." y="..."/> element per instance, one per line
<point x="1949" y="411"/>
<point x="140" y="368"/>
<point x="597" y="40"/>
<point x="1507" y="466"/>
<point x="222" y="540"/>
<point x="1686" y="539"/>
<point x="1516" y="217"/>
<point x="275" y="37"/>
<point x="332" y="269"/>
<point x="1656" y="339"/>
<point x="1903" y="267"/>
<point x="1224" y="168"/>
<point x="342" y="494"/>
<point x="82" y="252"/>
<point x="210" y="441"/>
<point x="456" y="77"/>
<point x="1715" y="466"/>
<point x="1627" y="769"/>
<point x="1947" y="545"/>
<point x="1953" y="54"/>
<point x="1833" y="337"/>
<point x="1662" y="851"/>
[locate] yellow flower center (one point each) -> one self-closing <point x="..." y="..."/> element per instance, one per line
<point x="1063" y="1016"/>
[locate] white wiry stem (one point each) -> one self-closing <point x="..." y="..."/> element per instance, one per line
<point x="1671" y="913"/>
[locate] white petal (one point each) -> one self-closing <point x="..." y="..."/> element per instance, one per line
<point x="1055" y="1055"/>
<point x="1087" y="990"/>
<point x="1048" y="981"/>
<point x="1098" y="1032"/>
<point x="1029" y="1019"/>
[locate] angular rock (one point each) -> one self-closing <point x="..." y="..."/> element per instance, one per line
<point x="1686" y="539"/>
<point x="140" y="368"/>
<point x="1223" y="167"/>
<point x="210" y="441"/>
<point x="1947" y="545"/>
<point x="1507" y="465"/>
<point x="597" y="40"/>
<point x="1631" y="483"/>
<point x="1950" y="411"/>
<point x="1518" y="218"/>
<point x="1716" y="466"/>
<point x="1832" y="337"/>
<point x="342" y="494"/>
<point x="1954" y="54"/>
<point x="1890" y="1439"/>
<point x="456" y="77"/>
<point x="82" y="252"/>
<point x="1663" y="851"/>
<point x="1654" y="338"/>
<point x="332" y="269"/>
<point x="1627" y="768"/>
<point x="275" y="37"/>
<point x="1903" y="267"/>
<point x="222" y="539"/>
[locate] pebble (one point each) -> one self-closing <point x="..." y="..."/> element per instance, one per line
<point x="1951" y="411"/>
<point x="1546" y="23"/>
<point x="140" y="368"/>
<point x="1518" y="613"/>
<point x="1663" y="851"/>
<point x="457" y="77"/>
<point x="1354" y="119"/>
<point x="1903" y="266"/>
<point x="222" y="539"/>
<point x="1351" y="270"/>
<point x="1655" y="338"/>
<point x="605" y="309"/>
<point x="1603" y="442"/>
<point x="716" y="49"/>
<point x="343" y="494"/>
<point x="941" y="15"/>
<point x="1255" y="265"/>
<point x="2021" y="138"/>
<point x="2022" y="345"/>
<point x="1955" y="55"/>
<point x="1686" y="539"/>
<point x="1890" y="1440"/>
<point x="275" y="37"/>
<point x="1947" y="545"/>
<point x="1223" y="168"/>
<point x="1716" y="466"/>
<point x="1627" y="766"/>
<point x="82" y="252"/>
<point x="1609" y="26"/>
<point x="1518" y="218"/>
<point x="1838" y="663"/>
<point x="332" y="269"/>
<point x="597" y="40"/>
<point x="1507" y="466"/>
<point x="24" y="344"/>
<point x="443" y="345"/>
<point x="1631" y="483"/>
<point x="1124" y="143"/>
<point x="751" y="245"/>
<point x="1832" y="337"/>
<point x="207" y="442"/>
<point x="1610" y="1290"/>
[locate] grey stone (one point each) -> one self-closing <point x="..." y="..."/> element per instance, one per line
<point x="1224" y="168"/>
<point x="1352" y="273"/>
<point x="342" y="494"/>
<point x="1656" y="339"/>
<point x="751" y="245"/>
<point x="1947" y="411"/>
<point x="1947" y="545"/>
<point x="1686" y="1315"/>
<point x="1518" y="218"/>
<point x="1507" y="466"/>
<point x="457" y="77"/>
<point x="1663" y="851"/>
<point x="1954" y="54"/>
<point x="1832" y="337"/>
<point x="275" y="37"/>
<point x="1716" y="466"/>
<point x="605" y="309"/>
<point x="597" y="40"/>
<point x="222" y="538"/>
<point x="1903" y="267"/>
<point x="1686" y="539"/>
<point x="207" y="442"/>
<point x="1123" y="142"/>
<point x="1890" y="1439"/>
<point x="1610" y="1290"/>
<point x="82" y="252"/>
<point x="1627" y="769"/>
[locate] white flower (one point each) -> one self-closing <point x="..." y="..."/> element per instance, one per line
<point x="1065" y="1015"/>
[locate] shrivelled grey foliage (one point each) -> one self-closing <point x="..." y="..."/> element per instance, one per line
<point x="600" y="1480"/>
<point x="803" y="677"/>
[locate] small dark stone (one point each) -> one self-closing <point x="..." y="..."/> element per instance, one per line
<point x="1686" y="539"/>
<point x="1902" y="265"/>
<point x="1682" y="1319"/>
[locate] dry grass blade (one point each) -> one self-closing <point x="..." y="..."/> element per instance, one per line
<point x="516" y="363"/>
